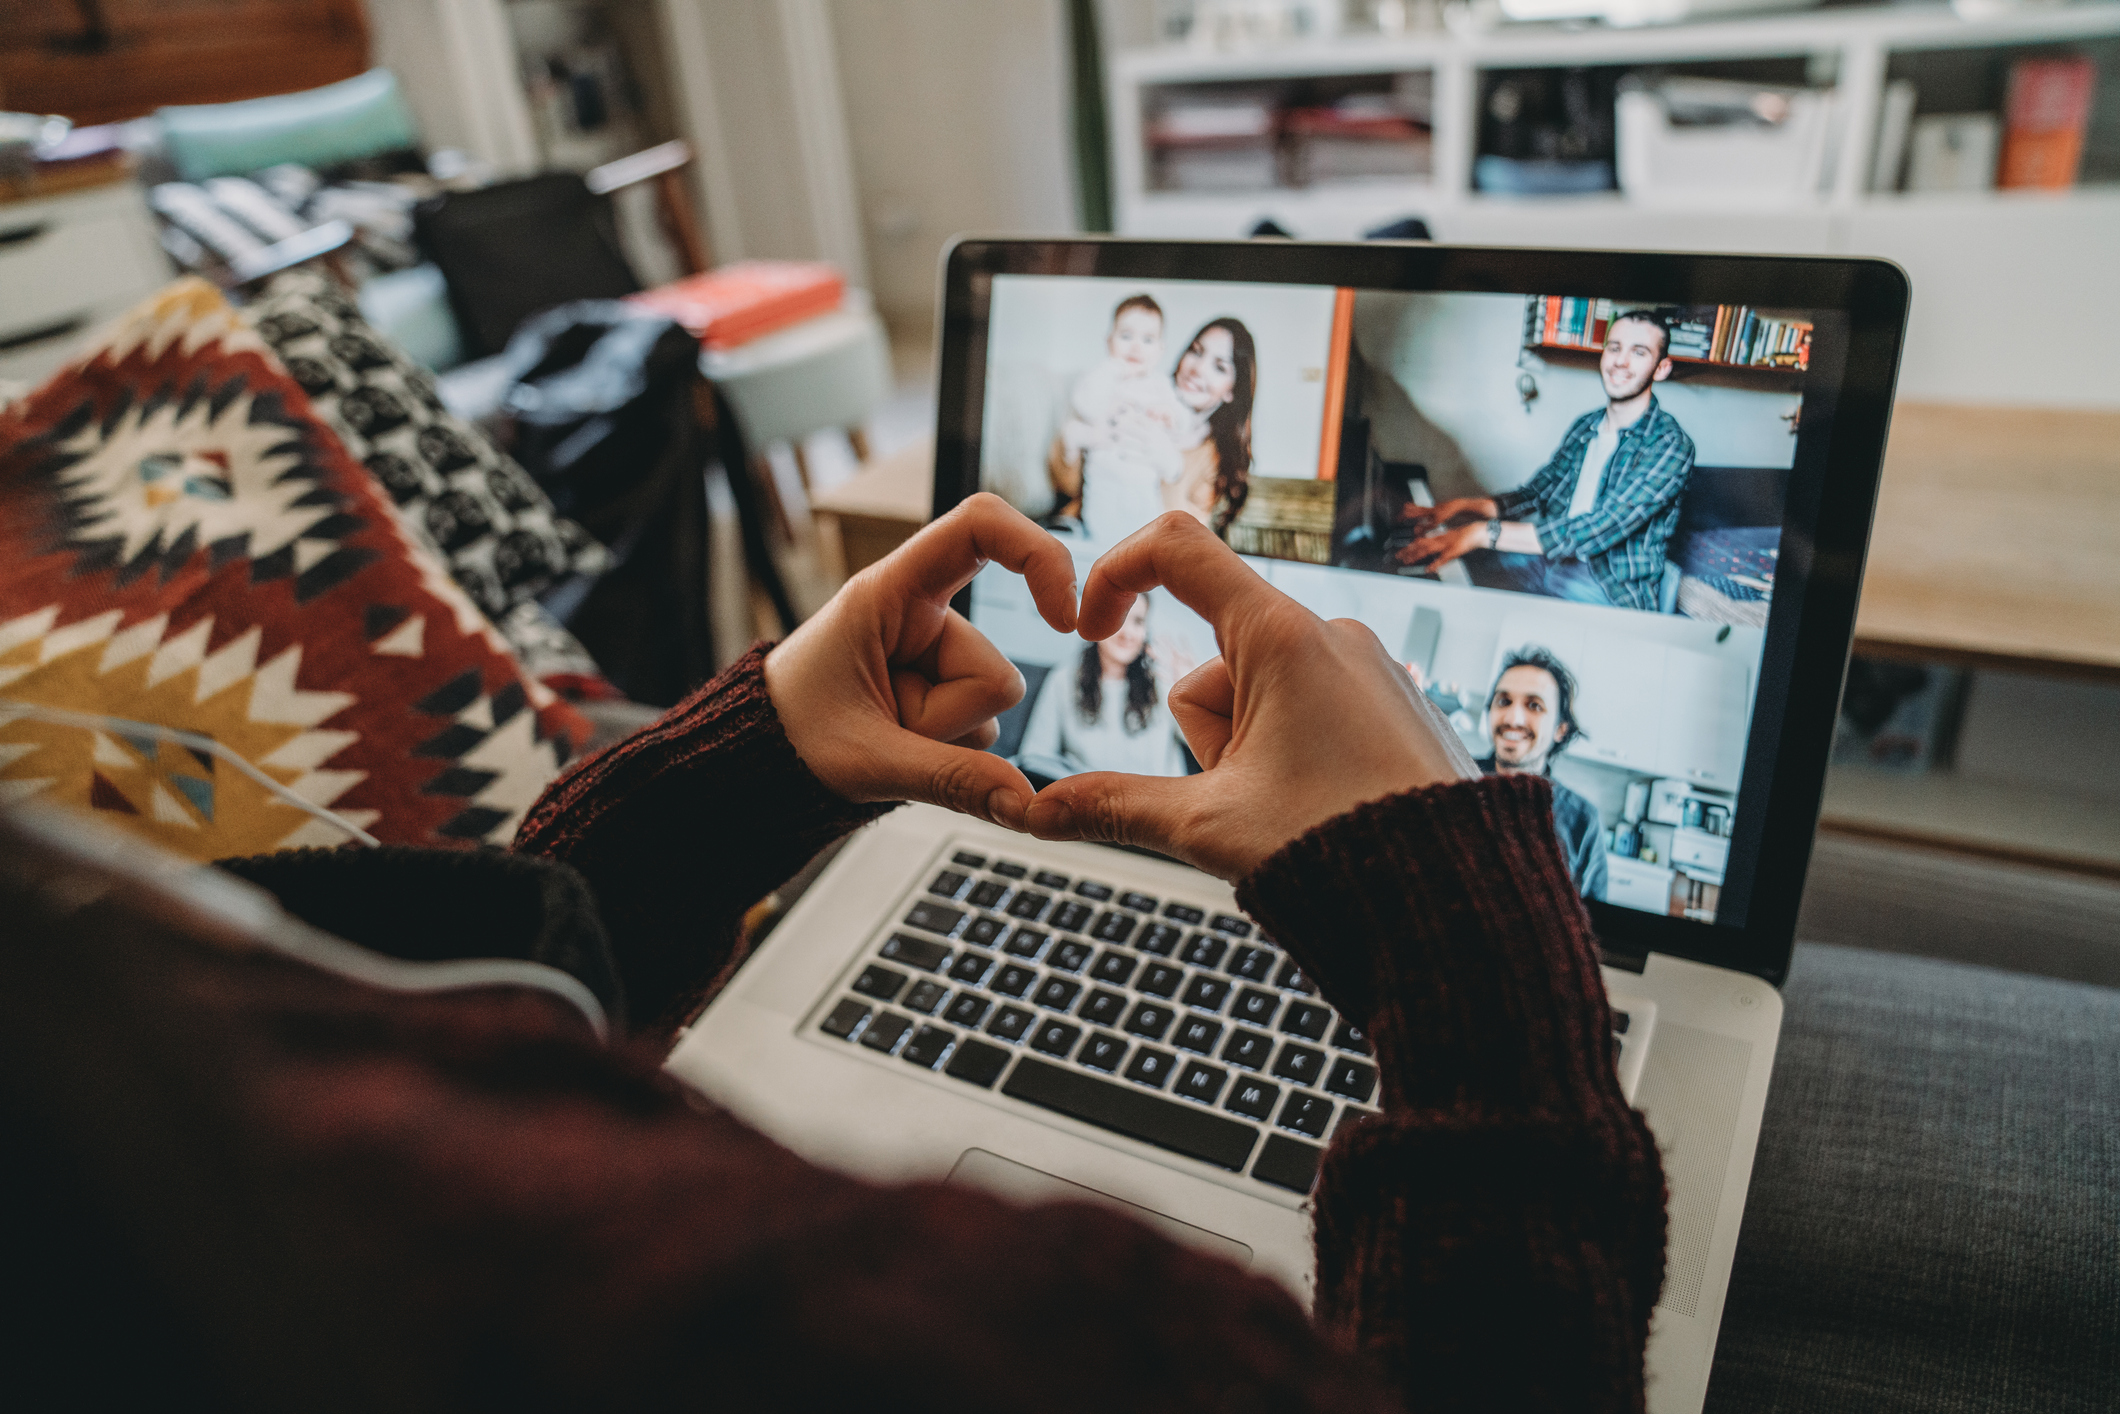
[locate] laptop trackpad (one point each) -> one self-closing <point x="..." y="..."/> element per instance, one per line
<point x="1020" y="1183"/>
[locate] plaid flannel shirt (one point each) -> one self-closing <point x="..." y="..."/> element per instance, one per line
<point x="1622" y="536"/>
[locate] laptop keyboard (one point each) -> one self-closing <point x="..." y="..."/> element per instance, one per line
<point x="1156" y="1018"/>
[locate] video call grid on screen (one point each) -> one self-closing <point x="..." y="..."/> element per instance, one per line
<point x="1563" y="517"/>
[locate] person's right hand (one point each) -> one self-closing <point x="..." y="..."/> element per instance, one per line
<point x="1298" y="721"/>
<point x="1443" y="512"/>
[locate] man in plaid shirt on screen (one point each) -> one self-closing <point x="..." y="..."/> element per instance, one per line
<point x="1591" y="526"/>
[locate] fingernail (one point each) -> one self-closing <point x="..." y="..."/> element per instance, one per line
<point x="1005" y="808"/>
<point x="1050" y="818"/>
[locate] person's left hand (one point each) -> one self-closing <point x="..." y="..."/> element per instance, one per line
<point x="887" y="693"/>
<point x="1437" y="550"/>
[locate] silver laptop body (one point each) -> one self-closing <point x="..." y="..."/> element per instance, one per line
<point x="953" y="1002"/>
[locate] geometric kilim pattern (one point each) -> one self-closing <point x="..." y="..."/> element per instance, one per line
<point x="183" y="543"/>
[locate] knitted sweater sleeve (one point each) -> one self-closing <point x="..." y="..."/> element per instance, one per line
<point x="681" y="827"/>
<point x="1495" y="1238"/>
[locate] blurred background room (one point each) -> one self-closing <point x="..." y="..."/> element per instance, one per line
<point x="458" y="168"/>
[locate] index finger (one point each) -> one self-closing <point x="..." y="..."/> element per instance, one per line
<point x="1175" y="552"/>
<point x="944" y="556"/>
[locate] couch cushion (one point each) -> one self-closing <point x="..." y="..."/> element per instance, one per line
<point x="1934" y="1220"/>
<point x="469" y="501"/>
<point x="183" y="543"/>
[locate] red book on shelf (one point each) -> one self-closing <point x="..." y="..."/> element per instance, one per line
<point x="737" y="303"/>
<point x="2044" y="118"/>
<point x="1551" y="334"/>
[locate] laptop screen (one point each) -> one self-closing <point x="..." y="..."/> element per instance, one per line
<point x="1563" y="513"/>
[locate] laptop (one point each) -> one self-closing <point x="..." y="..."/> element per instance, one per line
<point x="951" y="1001"/>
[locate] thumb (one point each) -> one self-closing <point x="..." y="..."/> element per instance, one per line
<point x="1154" y="812"/>
<point x="957" y="778"/>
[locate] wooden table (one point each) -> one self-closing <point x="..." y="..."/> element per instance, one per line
<point x="877" y="509"/>
<point x="1997" y="542"/>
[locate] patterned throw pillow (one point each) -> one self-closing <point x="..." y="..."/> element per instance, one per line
<point x="483" y="514"/>
<point x="183" y="543"/>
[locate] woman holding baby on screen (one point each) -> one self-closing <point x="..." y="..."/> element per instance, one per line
<point x="1137" y="443"/>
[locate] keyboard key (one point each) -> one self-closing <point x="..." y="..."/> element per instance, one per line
<point x="1070" y="956"/>
<point x="1183" y="913"/>
<point x="1248" y="1049"/>
<point x="842" y="1019"/>
<point x="1103" y="1008"/>
<point x="1197" y="1033"/>
<point x="879" y="982"/>
<point x="1201" y="1082"/>
<point x="1150" y="1019"/>
<point x="1151" y="1067"/>
<point x="926" y="996"/>
<point x="968" y="859"/>
<point x="1113" y="928"/>
<point x="1047" y="879"/>
<point x="1011" y="1023"/>
<point x="1159" y="939"/>
<point x="1056" y="1038"/>
<point x="1207" y="993"/>
<point x="1102" y="1051"/>
<point x="914" y="952"/>
<point x="1352" y="1079"/>
<point x="1116" y="968"/>
<point x="1255" y="1006"/>
<point x="934" y="917"/>
<point x="1133" y="1112"/>
<point x="1299" y="1063"/>
<point x="1253" y="1098"/>
<point x="1009" y="869"/>
<point x="968" y="1010"/>
<point x="1350" y="1037"/>
<point x="1058" y="994"/>
<point x="1252" y="964"/>
<point x="1288" y="1163"/>
<point x="971" y="967"/>
<point x="1015" y="979"/>
<point x="1306" y="1114"/>
<point x="986" y="893"/>
<point x="1026" y="942"/>
<point x="977" y="1063"/>
<point x="1070" y="916"/>
<point x="927" y="1046"/>
<point x="1097" y="892"/>
<point x="1350" y="1116"/>
<point x="1231" y="924"/>
<point x="1308" y="1020"/>
<point x="1028" y="905"/>
<point x="1160" y="980"/>
<point x="1621" y="1021"/>
<point x="1291" y="979"/>
<point x="984" y="932"/>
<point x="948" y="884"/>
<point x="1205" y="950"/>
<point x="1139" y="903"/>
<point x="885" y="1031"/>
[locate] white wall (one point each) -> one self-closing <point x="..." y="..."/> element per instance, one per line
<point x="1045" y="331"/>
<point x="1442" y="391"/>
<point x="455" y="62"/>
<point x="958" y="116"/>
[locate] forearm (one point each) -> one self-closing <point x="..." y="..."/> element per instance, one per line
<point x="684" y="825"/>
<point x="1519" y="537"/>
<point x="1508" y="1200"/>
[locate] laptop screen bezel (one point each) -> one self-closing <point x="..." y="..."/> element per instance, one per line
<point x="1825" y="534"/>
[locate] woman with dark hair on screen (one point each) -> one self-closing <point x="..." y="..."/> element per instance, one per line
<point x="1209" y="470"/>
<point x="1108" y="714"/>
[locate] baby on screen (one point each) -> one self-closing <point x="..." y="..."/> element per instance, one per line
<point x="1123" y="422"/>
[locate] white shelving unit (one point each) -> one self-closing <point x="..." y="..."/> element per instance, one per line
<point x="1979" y="261"/>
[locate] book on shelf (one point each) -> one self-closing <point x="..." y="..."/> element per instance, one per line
<point x="1953" y="152"/>
<point x="2045" y="115"/>
<point x="1726" y="334"/>
<point x="1895" y="124"/>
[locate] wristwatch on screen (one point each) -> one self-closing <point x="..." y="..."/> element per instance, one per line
<point x="1494" y="533"/>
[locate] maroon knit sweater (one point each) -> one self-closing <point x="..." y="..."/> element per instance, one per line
<point x="252" y="1183"/>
